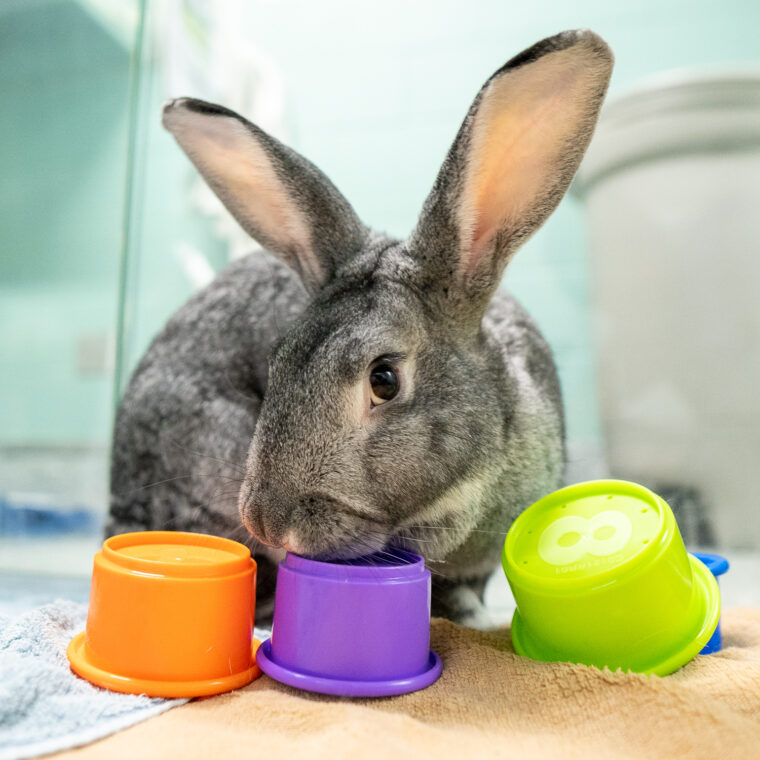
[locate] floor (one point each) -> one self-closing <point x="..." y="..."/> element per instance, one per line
<point x="53" y="555"/>
<point x="22" y="591"/>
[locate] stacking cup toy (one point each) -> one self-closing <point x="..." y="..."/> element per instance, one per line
<point x="171" y="615"/>
<point x="600" y="576"/>
<point x="717" y="565"/>
<point x="358" y="628"/>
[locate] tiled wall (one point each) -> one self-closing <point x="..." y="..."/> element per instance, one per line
<point x="63" y="86"/>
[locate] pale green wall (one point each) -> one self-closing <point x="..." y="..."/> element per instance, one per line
<point x="63" y="86"/>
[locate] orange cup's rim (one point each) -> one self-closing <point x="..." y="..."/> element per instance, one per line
<point x="239" y="560"/>
<point x="80" y="661"/>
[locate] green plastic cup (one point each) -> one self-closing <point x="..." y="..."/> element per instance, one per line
<point x="601" y="577"/>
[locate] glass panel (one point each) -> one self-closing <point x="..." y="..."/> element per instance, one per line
<point x="64" y="78"/>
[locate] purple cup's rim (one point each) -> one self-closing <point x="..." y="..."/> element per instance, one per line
<point x="347" y="688"/>
<point x="372" y="566"/>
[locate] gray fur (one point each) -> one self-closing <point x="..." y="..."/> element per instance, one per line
<point x="242" y="418"/>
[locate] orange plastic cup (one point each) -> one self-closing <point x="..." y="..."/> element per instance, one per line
<point x="171" y="615"/>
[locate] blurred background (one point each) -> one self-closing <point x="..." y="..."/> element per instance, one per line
<point x="645" y="280"/>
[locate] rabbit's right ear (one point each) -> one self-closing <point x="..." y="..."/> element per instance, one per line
<point x="277" y="196"/>
<point x="509" y="166"/>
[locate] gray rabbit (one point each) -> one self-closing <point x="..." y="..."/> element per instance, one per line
<point x="360" y="392"/>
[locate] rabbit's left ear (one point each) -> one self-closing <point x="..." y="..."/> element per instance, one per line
<point x="279" y="198"/>
<point x="510" y="164"/>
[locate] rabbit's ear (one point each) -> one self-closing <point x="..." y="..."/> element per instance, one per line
<point x="510" y="164"/>
<point x="278" y="197"/>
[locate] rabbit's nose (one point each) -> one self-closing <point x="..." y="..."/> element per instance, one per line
<point x="263" y="516"/>
<point x="255" y="524"/>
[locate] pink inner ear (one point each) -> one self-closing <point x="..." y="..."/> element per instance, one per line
<point x="239" y="171"/>
<point x="519" y="134"/>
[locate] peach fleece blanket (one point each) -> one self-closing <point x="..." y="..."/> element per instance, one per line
<point x="489" y="703"/>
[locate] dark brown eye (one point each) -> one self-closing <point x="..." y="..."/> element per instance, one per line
<point x="383" y="383"/>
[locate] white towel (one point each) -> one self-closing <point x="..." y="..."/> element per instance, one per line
<point x="44" y="707"/>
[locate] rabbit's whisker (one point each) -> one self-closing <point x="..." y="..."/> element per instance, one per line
<point x="238" y="467"/>
<point x="237" y="390"/>
<point x="444" y="527"/>
<point x="151" y="485"/>
<point x="220" y="496"/>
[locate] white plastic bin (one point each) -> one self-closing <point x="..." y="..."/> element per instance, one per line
<point x="672" y="189"/>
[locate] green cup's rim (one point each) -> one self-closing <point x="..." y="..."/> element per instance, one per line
<point x="707" y="587"/>
<point x="617" y="572"/>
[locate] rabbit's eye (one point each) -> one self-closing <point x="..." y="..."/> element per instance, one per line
<point x="384" y="384"/>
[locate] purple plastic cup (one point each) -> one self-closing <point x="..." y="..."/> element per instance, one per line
<point x="354" y="628"/>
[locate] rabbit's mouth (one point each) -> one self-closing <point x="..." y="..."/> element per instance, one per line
<point x="315" y="525"/>
<point x="352" y="550"/>
<point x="359" y="543"/>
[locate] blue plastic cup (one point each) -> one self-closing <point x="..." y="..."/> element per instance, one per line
<point x="717" y="565"/>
